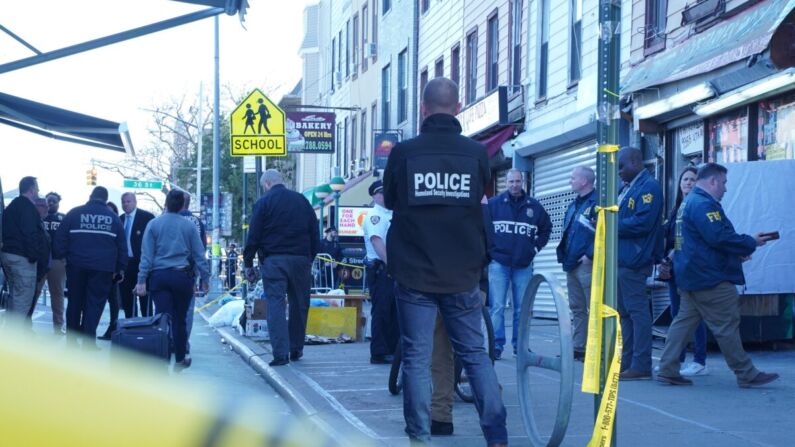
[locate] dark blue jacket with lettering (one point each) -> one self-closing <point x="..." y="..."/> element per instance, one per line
<point x="521" y="229"/>
<point x="92" y="237"/>
<point x="640" y="231"/>
<point x="579" y="229"/>
<point x="707" y="250"/>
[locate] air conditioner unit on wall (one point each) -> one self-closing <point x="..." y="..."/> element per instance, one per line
<point x="371" y="50"/>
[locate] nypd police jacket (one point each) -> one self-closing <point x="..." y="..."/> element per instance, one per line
<point x="434" y="183"/>
<point x="640" y="232"/>
<point x="521" y="229"/>
<point x="578" y="232"/>
<point x="91" y="237"/>
<point x="707" y="250"/>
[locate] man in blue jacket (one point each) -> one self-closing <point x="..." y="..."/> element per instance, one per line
<point x="708" y="257"/>
<point x="91" y="239"/>
<point x="575" y="252"/>
<point x="521" y="229"/>
<point x="640" y="245"/>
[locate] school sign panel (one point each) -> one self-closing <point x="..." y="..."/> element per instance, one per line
<point x="257" y="127"/>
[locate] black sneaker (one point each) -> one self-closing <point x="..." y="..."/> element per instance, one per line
<point x="633" y="374"/>
<point x="279" y="361"/>
<point x="762" y="378"/>
<point x="381" y="359"/>
<point x="674" y="380"/>
<point x="296" y="355"/>
<point x="441" y="428"/>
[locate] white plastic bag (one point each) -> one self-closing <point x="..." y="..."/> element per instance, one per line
<point x="228" y="315"/>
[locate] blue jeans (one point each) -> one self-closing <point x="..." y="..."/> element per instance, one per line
<point x="499" y="277"/>
<point x="461" y="314"/>
<point x="700" y="339"/>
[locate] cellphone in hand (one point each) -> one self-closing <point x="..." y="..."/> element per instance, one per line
<point x="770" y="236"/>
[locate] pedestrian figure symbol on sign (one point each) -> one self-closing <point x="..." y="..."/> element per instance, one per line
<point x="249" y="119"/>
<point x="264" y="114"/>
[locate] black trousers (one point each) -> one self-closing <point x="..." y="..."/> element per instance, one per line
<point x="290" y="276"/>
<point x="88" y="291"/>
<point x="114" y="302"/>
<point x="384" y="328"/>
<point x="172" y="290"/>
<point x="128" y="297"/>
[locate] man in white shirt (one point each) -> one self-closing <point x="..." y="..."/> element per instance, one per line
<point x="384" y="318"/>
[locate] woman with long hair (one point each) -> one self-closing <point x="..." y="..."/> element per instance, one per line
<point x="698" y="367"/>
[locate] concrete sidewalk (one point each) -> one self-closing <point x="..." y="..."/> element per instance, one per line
<point x="351" y="395"/>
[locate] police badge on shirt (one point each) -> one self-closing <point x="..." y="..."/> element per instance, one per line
<point x="442" y="180"/>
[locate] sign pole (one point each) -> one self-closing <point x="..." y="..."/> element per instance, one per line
<point x="200" y="123"/>
<point x="607" y="137"/>
<point x="215" y="283"/>
<point x="244" y="218"/>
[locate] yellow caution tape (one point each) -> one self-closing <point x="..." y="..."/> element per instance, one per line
<point x="331" y="261"/>
<point x="603" y="428"/>
<point x="220" y="297"/>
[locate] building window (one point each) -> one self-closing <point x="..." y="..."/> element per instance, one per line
<point x="493" y="53"/>
<point x="355" y="44"/>
<point x="575" y="42"/>
<point x="362" y="151"/>
<point x="375" y="25"/>
<point x="775" y="134"/>
<point x="365" y="17"/>
<point x="333" y="62"/>
<point x="344" y="162"/>
<point x="455" y="65"/>
<point x="472" y="66"/>
<point x="387" y="5"/>
<point x="354" y="137"/>
<point x="516" y="45"/>
<point x="423" y="81"/>
<point x="438" y="68"/>
<point x="403" y="87"/>
<point x="656" y="22"/>
<point x="339" y="53"/>
<point x="347" y="48"/>
<point x="340" y="145"/>
<point x="728" y="137"/>
<point x="425" y="4"/>
<point x="543" y="50"/>
<point x="386" y="101"/>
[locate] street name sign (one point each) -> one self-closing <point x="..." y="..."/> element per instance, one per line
<point x="257" y="127"/>
<point x="143" y="184"/>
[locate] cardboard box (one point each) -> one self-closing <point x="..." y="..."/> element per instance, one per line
<point x="332" y="321"/>
<point x="257" y="329"/>
<point x="259" y="310"/>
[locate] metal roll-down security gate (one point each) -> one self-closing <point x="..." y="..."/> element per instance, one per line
<point x="526" y="360"/>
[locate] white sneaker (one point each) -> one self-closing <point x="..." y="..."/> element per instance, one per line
<point x="694" y="369"/>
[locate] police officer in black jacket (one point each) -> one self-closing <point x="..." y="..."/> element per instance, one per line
<point x="91" y="238"/>
<point x="284" y="230"/>
<point x="436" y="248"/>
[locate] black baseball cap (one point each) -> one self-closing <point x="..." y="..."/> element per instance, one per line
<point x="376" y="187"/>
<point x="330" y="229"/>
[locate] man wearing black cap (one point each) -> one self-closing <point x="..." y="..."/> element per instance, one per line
<point x="91" y="239"/>
<point x="384" y="327"/>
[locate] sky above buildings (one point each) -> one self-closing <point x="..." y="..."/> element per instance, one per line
<point x="120" y="81"/>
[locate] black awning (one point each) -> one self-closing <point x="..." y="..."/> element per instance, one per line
<point x="726" y="42"/>
<point x="63" y="124"/>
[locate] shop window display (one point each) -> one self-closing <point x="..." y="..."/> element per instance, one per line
<point x="728" y="138"/>
<point x="777" y="129"/>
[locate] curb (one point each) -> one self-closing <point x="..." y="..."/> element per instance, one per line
<point x="284" y="389"/>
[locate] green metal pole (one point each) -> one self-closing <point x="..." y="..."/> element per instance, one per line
<point x="607" y="173"/>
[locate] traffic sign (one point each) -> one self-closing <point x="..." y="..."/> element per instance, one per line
<point x="257" y="127"/>
<point x="143" y="184"/>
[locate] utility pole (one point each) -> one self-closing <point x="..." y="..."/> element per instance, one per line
<point x="608" y="113"/>
<point x="216" y="250"/>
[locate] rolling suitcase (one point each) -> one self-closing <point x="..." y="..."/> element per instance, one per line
<point x="146" y="335"/>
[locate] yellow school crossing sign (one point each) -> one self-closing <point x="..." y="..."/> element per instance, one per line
<point x="257" y="127"/>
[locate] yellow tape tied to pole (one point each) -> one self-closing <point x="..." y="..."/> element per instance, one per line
<point x="603" y="428"/>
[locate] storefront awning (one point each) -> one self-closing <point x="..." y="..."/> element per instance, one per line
<point x="727" y="42"/>
<point x="64" y="125"/>
<point x="355" y="193"/>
